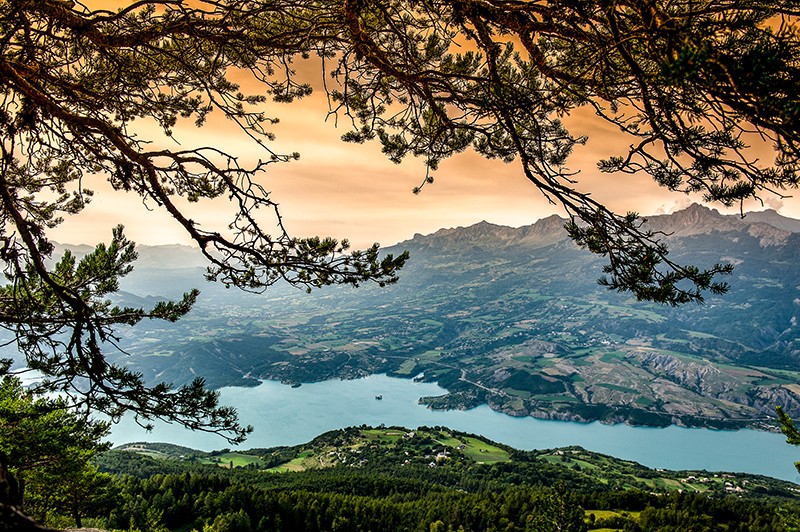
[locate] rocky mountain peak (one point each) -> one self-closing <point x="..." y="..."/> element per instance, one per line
<point x="483" y="234"/>
<point x="487" y="235"/>
<point x="544" y="232"/>
<point x="694" y="220"/>
<point x="699" y="220"/>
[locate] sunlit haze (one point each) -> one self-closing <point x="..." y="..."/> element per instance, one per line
<point x="352" y="191"/>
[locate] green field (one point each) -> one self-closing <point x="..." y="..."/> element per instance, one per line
<point x="482" y="452"/>
<point x="232" y="460"/>
<point x="406" y="368"/>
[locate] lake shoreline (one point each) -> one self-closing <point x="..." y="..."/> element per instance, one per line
<point x="451" y="401"/>
<point x="283" y="415"/>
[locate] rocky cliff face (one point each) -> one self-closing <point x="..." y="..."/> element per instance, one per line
<point x="707" y="380"/>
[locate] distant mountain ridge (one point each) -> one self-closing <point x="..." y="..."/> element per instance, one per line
<point x="544" y="232"/>
<point x="773" y="218"/>
<point x="693" y="220"/>
<point x="769" y="226"/>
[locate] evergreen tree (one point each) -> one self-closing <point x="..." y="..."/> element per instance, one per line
<point x="48" y="448"/>
<point x="692" y="85"/>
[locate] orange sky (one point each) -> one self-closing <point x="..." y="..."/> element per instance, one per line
<point x="352" y="191"/>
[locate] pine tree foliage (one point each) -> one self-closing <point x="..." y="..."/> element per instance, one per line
<point x="789" y="430"/>
<point x="696" y="86"/>
<point x="46" y="448"/>
<point x="73" y="82"/>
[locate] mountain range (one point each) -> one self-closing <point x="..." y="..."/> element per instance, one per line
<point x="510" y="317"/>
<point x="692" y="221"/>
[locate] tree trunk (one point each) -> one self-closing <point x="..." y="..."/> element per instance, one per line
<point x="11" y="519"/>
<point x="10" y="488"/>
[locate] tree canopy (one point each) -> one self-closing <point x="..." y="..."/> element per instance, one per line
<point x="48" y="447"/>
<point x="695" y="86"/>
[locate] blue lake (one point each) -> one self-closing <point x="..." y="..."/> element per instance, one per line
<point x="282" y="415"/>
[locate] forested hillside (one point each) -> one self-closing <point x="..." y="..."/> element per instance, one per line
<point x="432" y="479"/>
